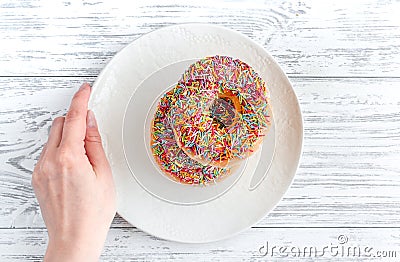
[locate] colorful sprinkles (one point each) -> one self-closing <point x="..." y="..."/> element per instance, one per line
<point x="216" y="115"/>
<point x="170" y="157"/>
<point x="219" y="111"/>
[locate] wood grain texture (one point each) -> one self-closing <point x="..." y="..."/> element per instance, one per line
<point x="349" y="172"/>
<point x="133" y="245"/>
<point x="343" y="58"/>
<point x="308" y="38"/>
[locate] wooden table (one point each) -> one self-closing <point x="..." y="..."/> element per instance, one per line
<point x="343" y="58"/>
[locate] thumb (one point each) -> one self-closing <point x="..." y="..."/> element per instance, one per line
<point x="93" y="146"/>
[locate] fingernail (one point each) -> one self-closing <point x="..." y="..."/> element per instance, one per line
<point x="91" y="119"/>
<point x="84" y="86"/>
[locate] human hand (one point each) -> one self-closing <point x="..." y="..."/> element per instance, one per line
<point x="74" y="186"/>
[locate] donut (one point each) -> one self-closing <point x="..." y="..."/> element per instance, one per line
<point x="172" y="160"/>
<point x="221" y="111"/>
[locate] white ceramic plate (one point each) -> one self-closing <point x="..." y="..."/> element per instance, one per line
<point x="236" y="206"/>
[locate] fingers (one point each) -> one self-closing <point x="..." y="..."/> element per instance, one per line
<point x="55" y="134"/>
<point x="75" y="121"/>
<point x="94" y="148"/>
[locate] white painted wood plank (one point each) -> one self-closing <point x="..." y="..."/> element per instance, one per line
<point x="349" y="173"/>
<point x="349" y="176"/>
<point x="256" y="244"/>
<point x="317" y="38"/>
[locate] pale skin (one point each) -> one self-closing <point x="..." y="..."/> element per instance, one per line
<point x="74" y="186"/>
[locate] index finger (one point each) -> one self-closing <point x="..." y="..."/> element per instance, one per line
<point x="75" y="121"/>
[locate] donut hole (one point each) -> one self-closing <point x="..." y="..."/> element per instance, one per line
<point x="224" y="110"/>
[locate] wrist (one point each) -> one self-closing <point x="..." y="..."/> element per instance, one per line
<point x="61" y="250"/>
